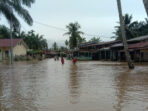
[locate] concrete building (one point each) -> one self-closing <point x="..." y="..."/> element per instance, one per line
<point x="19" y="48"/>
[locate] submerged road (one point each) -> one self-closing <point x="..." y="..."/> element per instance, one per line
<point x="87" y="86"/>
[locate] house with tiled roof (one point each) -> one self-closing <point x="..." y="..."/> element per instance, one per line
<point x="19" y="48"/>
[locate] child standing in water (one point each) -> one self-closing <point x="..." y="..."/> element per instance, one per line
<point x="62" y="60"/>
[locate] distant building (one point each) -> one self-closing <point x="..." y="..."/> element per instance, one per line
<point x="114" y="50"/>
<point x="146" y="5"/>
<point x="19" y="48"/>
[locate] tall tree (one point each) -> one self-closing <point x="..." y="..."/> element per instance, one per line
<point x="55" y="46"/>
<point x="95" y="39"/>
<point x="132" y="28"/>
<point x="130" y="63"/>
<point x="81" y="39"/>
<point x="34" y="41"/>
<point x="9" y="8"/>
<point x="66" y="43"/>
<point x="4" y="32"/>
<point x="146" y="5"/>
<point x="74" y="34"/>
<point x="129" y="26"/>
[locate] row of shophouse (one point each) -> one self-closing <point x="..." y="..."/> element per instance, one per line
<point x="114" y="50"/>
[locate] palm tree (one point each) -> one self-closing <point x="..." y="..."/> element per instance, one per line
<point x="74" y="34"/>
<point x="4" y="32"/>
<point x="66" y="43"/>
<point x="130" y="28"/>
<point x="95" y="39"/>
<point x="55" y="46"/>
<point x="128" y="57"/>
<point x="34" y="41"/>
<point x="146" y="5"/>
<point x="9" y="7"/>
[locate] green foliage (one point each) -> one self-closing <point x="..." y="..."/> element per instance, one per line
<point x="55" y="46"/>
<point x="33" y="52"/>
<point x="9" y="8"/>
<point x="81" y="39"/>
<point x="66" y="43"/>
<point x="34" y="41"/>
<point x="62" y="49"/>
<point x="20" y="58"/>
<point x="95" y="39"/>
<point x="74" y="34"/>
<point x="4" y="32"/>
<point x="132" y="28"/>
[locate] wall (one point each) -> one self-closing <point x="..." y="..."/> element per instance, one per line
<point x="3" y="55"/>
<point x="20" y="49"/>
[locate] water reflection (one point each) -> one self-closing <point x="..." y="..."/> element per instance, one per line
<point x="131" y="90"/>
<point x="1" y="93"/>
<point x="86" y="86"/>
<point x="74" y="84"/>
<point x="12" y="91"/>
<point x="122" y="86"/>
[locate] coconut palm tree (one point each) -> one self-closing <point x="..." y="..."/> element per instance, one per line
<point x="9" y="8"/>
<point x="55" y="46"/>
<point x="95" y="39"/>
<point x="128" y="57"/>
<point x="146" y="5"/>
<point x="4" y="32"/>
<point x="74" y="34"/>
<point x="66" y="43"/>
<point x="130" y="28"/>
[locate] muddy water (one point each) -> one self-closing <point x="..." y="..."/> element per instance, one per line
<point x="86" y="86"/>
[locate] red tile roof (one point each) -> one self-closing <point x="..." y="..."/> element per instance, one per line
<point x="139" y="45"/>
<point x="6" y="42"/>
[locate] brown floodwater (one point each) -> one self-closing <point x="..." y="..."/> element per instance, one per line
<point x="86" y="86"/>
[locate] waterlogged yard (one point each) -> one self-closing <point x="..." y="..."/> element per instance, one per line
<point x="87" y="86"/>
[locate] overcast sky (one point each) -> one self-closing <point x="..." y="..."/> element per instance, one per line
<point x="96" y="17"/>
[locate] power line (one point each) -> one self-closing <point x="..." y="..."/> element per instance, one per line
<point x="62" y="29"/>
<point x="50" y="26"/>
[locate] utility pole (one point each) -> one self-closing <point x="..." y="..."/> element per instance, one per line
<point x="122" y="25"/>
<point x="11" y="43"/>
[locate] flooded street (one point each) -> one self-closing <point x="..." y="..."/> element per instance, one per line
<point x="86" y="86"/>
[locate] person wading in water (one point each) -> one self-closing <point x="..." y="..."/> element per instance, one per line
<point x="62" y="60"/>
<point x="74" y="60"/>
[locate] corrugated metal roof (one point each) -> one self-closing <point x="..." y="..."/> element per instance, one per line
<point x="139" y="45"/>
<point x="117" y="45"/>
<point x="6" y="42"/>
<point x="87" y="44"/>
<point x="139" y="38"/>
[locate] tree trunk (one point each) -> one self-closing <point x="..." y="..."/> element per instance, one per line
<point x="11" y="43"/>
<point x="122" y="25"/>
<point x="146" y="5"/>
